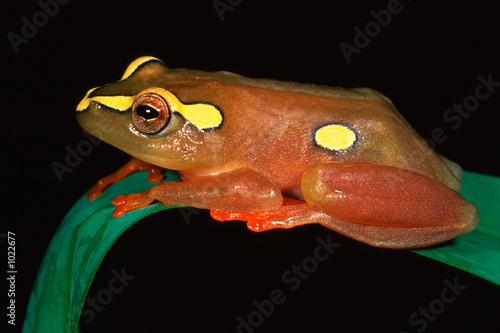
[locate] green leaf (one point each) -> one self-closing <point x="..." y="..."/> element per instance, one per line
<point x="88" y="231"/>
<point x="477" y="252"/>
<point x="76" y="251"/>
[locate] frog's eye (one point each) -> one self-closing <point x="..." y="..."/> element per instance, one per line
<point x="150" y="113"/>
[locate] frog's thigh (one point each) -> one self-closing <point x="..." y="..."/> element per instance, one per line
<point x="389" y="202"/>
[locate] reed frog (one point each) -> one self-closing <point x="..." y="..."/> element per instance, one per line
<point x="278" y="154"/>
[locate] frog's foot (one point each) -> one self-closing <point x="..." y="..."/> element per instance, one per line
<point x="127" y="202"/>
<point x="131" y="166"/>
<point x="287" y="216"/>
<point x="385" y="237"/>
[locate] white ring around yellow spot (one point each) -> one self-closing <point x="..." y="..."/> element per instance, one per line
<point x="335" y="137"/>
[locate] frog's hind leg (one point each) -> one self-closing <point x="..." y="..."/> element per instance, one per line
<point x="299" y="213"/>
<point x="290" y="214"/>
<point x="387" y="206"/>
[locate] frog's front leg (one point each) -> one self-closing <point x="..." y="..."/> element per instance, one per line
<point x="384" y="202"/>
<point x="241" y="190"/>
<point x="131" y="166"/>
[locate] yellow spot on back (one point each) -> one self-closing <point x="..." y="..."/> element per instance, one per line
<point x="335" y="137"/>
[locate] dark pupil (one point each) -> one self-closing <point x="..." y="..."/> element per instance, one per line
<point x="147" y="112"/>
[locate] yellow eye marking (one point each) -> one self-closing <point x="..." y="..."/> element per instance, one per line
<point x="203" y="116"/>
<point x="335" y="137"/>
<point x="135" y="64"/>
<point x="120" y="103"/>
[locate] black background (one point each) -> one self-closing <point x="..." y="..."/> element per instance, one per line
<point x="202" y="275"/>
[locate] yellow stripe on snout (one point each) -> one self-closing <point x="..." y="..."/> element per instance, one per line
<point x="203" y="116"/>
<point x="120" y="103"/>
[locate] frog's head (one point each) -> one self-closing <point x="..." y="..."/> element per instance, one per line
<point x="137" y="115"/>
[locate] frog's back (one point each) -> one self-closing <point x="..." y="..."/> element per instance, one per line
<point x="295" y="113"/>
<point x="381" y="134"/>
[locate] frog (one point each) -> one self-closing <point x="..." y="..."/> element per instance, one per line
<point x="277" y="155"/>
